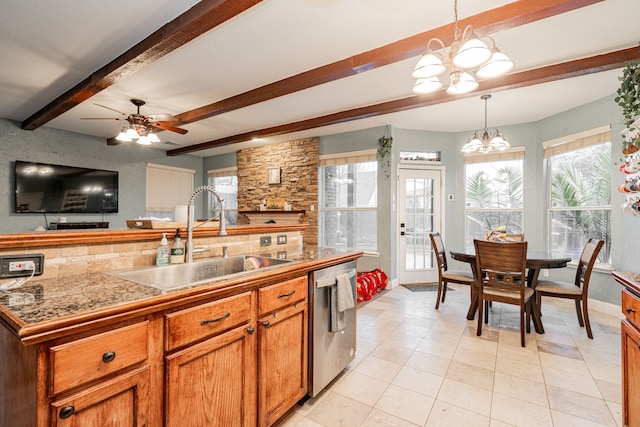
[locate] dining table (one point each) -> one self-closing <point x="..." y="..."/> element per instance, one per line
<point x="536" y="261"/>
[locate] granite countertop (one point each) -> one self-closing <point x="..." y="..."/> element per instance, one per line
<point x="45" y="304"/>
<point x="630" y="280"/>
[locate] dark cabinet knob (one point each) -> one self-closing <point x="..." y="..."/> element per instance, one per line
<point x="629" y="310"/>
<point x="67" y="411"/>
<point x="288" y="294"/>
<point x="109" y="356"/>
<point x="266" y="323"/>
<point x="250" y="330"/>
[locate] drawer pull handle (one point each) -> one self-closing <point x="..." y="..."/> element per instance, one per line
<point x="250" y="330"/>
<point x="288" y="294"/>
<point x="67" y="411"/>
<point x="629" y="310"/>
<point x="108" y="356"/>
<point x="217" y="319"/>
<point x="266" y="323"/>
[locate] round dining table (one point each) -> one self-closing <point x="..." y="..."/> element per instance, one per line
<point x="536" y="261"/>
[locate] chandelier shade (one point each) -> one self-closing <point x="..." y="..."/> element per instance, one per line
<point x="468" y="58"/>
<point x="141" y="134"/>
<point x="485" y="141"/>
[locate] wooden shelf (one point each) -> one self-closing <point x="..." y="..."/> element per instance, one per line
<point x="273" y="216"/>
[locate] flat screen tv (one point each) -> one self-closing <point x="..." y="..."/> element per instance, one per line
<point x="47" y="188"/>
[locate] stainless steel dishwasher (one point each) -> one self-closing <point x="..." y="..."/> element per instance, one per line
<point x="330" y="352"/>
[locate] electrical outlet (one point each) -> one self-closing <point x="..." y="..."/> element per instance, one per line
<point x="282" y="239"/>
<point x="282" y="255"/>
<point x="21" y="265"/>
<point x="265" y="241"/>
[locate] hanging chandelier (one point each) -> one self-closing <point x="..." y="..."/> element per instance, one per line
<point x="485" y="142"/>
<point x="468" y="58"/>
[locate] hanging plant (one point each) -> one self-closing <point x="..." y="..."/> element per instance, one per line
<point x="629" y="99"/>
<point x="384" y="150"/>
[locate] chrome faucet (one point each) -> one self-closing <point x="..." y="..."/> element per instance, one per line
<point x="222" y="231"/>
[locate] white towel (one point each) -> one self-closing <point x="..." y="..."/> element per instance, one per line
<point x="338" y="304"/>
<point x="345" y="292"/>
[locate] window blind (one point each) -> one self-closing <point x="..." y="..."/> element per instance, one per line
<point x="217" y="173"/>
<point x="348" y="158"/>
<point x="513" y="153"/>
<point x="577" y="141"/>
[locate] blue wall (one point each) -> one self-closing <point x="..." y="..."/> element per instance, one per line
<point x="47" y="145"/>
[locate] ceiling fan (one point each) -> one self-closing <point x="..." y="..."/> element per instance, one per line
<point x="141" y="126"/>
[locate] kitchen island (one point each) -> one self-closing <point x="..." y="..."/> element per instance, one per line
<point x="92" y="349"/>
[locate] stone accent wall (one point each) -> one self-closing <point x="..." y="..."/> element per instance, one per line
<point x="298" y="163"/>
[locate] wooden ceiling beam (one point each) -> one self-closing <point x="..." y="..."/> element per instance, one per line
<point x="489" y="22"/>
<point x="202" y="17"/>
<point x="575" y="68"/>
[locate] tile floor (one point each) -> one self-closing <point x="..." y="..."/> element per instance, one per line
<point x="416" y="366"/>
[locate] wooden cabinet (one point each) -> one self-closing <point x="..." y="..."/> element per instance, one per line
<point x="122" y="401"/>
<point x="630" y="358"/>
<point x="238" y="360"/>
<point x="212" y="382"/>
<point x="630" y="374"/>
<point x="283" y="348"/>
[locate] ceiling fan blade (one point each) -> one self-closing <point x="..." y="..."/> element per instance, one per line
<point x="165" y="126"/>
<point x="101" y="118"/>
<point x="162" y="118"/>
<point x="112" y="109"/>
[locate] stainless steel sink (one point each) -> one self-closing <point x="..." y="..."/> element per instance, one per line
<point x="183" y="275"/>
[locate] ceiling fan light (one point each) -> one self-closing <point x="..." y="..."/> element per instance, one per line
<point x="498" y="65"/>
<point x="144" y="140"/>
<point x="430" y="65"/>
<point x="132" y="133"/>
<point x="153" y="137"/>
<point x="122" y="136"/>
<point x="473" y="53"/>
<point x="461" y="82"/>
<point x="428" y="85"/>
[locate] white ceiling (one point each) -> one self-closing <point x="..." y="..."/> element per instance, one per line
<point x="47" y="47"/>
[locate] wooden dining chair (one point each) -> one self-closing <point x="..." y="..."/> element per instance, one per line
<point x="444" y="274"/>
<point x="578" y="290"/>
<point x="502" y="278"/>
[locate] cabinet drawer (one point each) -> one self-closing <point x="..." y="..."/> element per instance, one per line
<point x="195" y="323"/>
<point x="84" y="360"/>
<point x="271" y="298"/>
<point x="631" y="307"/>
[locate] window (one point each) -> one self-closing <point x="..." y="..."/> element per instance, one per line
<point x="225" y="183"/>
<point x="166" y="188"/>
<point x="579" y="191"/>
<point x="348" y="201"/>
<point x="494" y="194"/>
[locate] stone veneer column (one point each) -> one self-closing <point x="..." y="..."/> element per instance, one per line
<point x="298" y="163"/>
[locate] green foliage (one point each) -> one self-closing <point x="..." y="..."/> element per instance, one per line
<point x="385" y="143"/>
<point x="629" y="99"/>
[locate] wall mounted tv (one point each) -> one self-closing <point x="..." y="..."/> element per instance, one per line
<point x="47" y="188"/>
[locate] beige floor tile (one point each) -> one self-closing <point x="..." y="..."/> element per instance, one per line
<point x="610" y="391"/>
<point x="379" y="418"/>
<point x="519" y="412"/>
<point x="433" y="346"/>
<point x="584" y="384"/>
<point x="520" y="369"/>
<point x="567" y="364"/>
<point x="361" y="388"/>
<point x="560" y="419"/>
<point x="471" y="375"/>
<point x="337" y="410"/>
<point x="380" y="369"/>
<point x="405" y="404"/>
<point x="519" y="388"/>
<point x="392" y="353"/>
<point x="616" y="411"/>
<point x="579" y="405"/>
<point x="447" y="415"/>
<point x="467" y="396"/>
<point x="479" y="344"/>
<point x="430" y="363"/>
<point x="419" y="381"/>
<point x="475" y="358"/>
